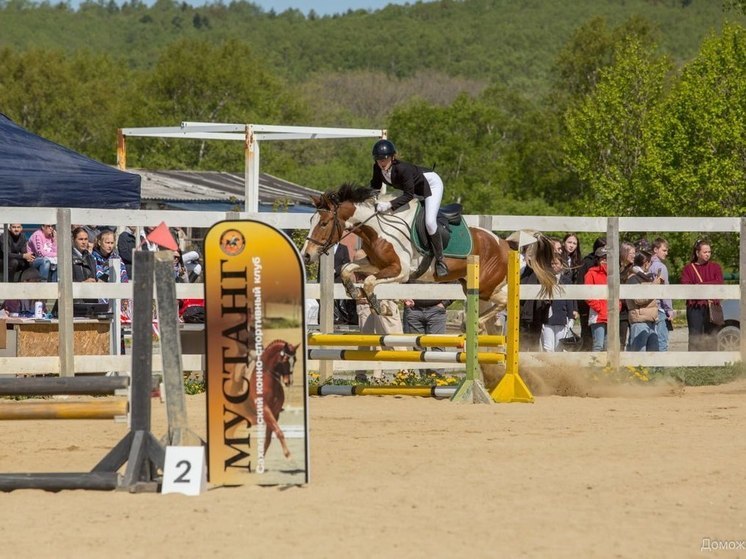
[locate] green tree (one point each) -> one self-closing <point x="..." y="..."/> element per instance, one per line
<point x="698" y="164"/>
<point x="197" y="81"/>
<point x="607" y="134"/>
<point x="72" y="100"/>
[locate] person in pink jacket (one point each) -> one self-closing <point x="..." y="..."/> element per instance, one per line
<point x="701" y="269"/>
<point x="598" y="314"/>
<point x="42" y="245"/>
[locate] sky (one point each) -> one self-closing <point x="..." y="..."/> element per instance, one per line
<point x="326" y="7"/>
<point x="323" y="8"/>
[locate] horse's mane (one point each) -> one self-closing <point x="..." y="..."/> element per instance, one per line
<point x="350" y="193"/>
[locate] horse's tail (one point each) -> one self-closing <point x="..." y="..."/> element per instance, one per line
<point x="539" y="256"/>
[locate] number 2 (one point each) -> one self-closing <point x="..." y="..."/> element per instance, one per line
<point x="187" y="467"/>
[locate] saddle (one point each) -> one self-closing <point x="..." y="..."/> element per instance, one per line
<point x="452" y="230"/>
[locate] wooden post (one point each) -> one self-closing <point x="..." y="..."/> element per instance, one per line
<point x="66" y="329"/>
<point x="613" y="344"/>
<point x="173" y="374"/>
<point x="139" y="449"/>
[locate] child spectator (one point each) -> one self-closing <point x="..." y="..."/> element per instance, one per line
<point x="42" y="246"/>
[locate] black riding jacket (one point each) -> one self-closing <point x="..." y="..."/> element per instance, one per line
<point x="408" y="178"/>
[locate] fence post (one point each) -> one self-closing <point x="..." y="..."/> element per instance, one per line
<point x="613" y="344"/>
<point x="65" y="327"/>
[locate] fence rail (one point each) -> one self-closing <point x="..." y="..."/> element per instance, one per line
<point x="67" y="364"/>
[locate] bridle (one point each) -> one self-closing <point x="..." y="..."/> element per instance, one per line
<point x="341" y="233"/>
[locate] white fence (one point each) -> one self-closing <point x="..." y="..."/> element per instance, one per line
<point x="65" y="290"/>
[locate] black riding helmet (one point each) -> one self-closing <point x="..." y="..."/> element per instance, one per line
<point x="383" y="149"/>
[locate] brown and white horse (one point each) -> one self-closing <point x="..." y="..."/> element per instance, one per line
<point x="391" y="256"/>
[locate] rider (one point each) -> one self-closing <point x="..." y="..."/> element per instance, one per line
<point x="412" y="180"/>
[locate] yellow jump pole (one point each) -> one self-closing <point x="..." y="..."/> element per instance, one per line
<point x="63" y="410"/>
<point x="511" y="387"/>
<point x="472" y="390"/>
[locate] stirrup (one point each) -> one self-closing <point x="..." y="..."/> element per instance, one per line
<point x="441" y="270"/>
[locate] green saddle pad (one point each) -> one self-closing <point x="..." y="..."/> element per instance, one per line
<point x="459" y="245"/>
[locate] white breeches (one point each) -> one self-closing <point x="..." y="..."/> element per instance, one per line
<point x="432" y="202"/>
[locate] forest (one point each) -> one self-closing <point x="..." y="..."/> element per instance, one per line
<point x="571" y="107"/>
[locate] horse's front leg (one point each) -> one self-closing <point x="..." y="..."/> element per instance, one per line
<point x="386" y="275"/>
<point x="347" y="275"/>
<point x="274" y="427"/>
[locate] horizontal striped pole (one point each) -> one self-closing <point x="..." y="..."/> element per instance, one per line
<point x="407" y="340"/>
<point x="64" y="410"/>
<point x="360" y="390"/>
<point x="408" y="356"/>
<point x="44" y="386"/>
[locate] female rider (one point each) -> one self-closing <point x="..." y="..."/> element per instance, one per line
<point x="412" y="180"/>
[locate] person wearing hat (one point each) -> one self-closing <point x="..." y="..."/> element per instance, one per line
<point x="413" y="181"/>
<point x="598" y="314"/>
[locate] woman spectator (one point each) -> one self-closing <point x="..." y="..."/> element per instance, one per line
<point x="559" y="314"/>
<point x="104" y="251"/>
<point x="84" y="266"/>
<point x="598" y="314"/>
<point x="571" y="255"/>
<point x="643" y="313"/>
<point x="42" y="246"/>
<point x="701" y="269"/>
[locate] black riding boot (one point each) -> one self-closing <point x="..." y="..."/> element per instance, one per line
<point x="437" y="244"/>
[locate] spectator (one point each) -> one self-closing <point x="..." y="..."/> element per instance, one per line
<point x="84" y="266"/>
<point x="423" y="316"/>
<point x="42" y="246"/>
<point x="626" y="262"/>
<point x="559" y="314"/>
<point x="643" y="312"/>
<point x="23" y="307"/>
<point x="126" y="244"/>
<point x="104" y="251"/>
<point x="531" y="314"/>
<point x="598" y="308"/>
<point x="18" y="257"/>
<point x="664" y="323"/>
<point x="372" y="323"/>
<point x="589" y="260"/>
<point x="572" y="257"/>
<point x="701" y="269"/>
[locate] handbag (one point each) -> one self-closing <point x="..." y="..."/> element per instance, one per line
<point x="716" y="313"/>
<point x="714" y="310"/>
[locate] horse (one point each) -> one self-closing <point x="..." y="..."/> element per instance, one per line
<point x="393" y="256"/>
<point x="277" y="363"/>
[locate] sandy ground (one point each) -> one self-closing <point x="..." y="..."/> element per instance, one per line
<point x="640" y="472"/>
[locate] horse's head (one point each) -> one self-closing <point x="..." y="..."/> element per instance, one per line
<point x="336" y="212"/>
<point x="286" y="364"/>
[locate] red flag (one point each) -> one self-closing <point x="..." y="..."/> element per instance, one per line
<point x="163" y="237"/>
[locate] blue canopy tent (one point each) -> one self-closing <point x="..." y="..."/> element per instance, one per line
<point x="37" y="172"/>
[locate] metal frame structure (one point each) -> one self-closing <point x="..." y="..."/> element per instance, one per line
<point x="250" y="134"/>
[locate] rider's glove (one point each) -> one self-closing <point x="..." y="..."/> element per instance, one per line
<point x="383" y="206"/>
